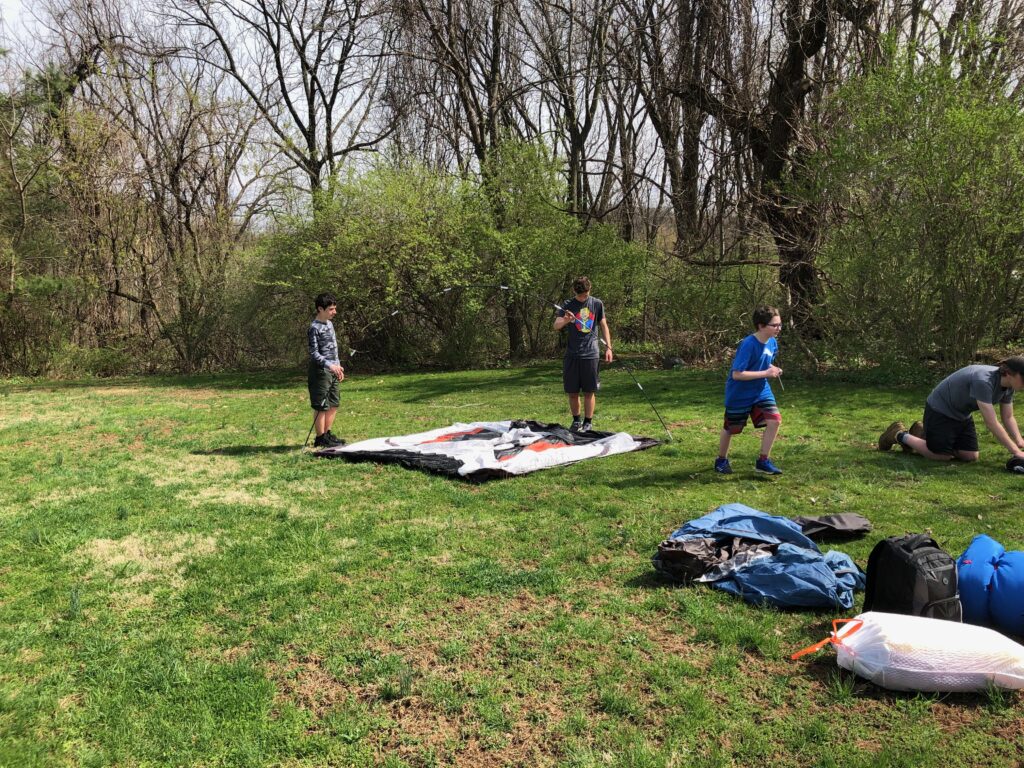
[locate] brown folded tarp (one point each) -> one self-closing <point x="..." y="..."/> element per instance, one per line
<point x="846" y="525"/>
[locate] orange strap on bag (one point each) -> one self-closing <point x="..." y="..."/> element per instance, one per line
<point x="833" y="638"/>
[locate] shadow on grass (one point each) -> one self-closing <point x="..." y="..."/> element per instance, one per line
<point x="691" y="474"/>
<point x="883" y="467"/>
<point x="276" y="379"/>
<point x="823" y="669"/>
<point x="247" y="450"/>
<point x="653" y="580"/>
<point x="426" y="387"/>
<point x="410" y="387"/>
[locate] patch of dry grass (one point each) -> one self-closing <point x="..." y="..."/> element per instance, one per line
<point x="136" y="559"/>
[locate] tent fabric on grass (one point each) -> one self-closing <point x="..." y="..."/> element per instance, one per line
<point x="484" y="450"/>
<point x="762" y="558"/>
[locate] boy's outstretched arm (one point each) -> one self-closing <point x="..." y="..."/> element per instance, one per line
<point x="988" y="413"/>
<point x="606" y="332"/>
<point x="1010" y="424"/>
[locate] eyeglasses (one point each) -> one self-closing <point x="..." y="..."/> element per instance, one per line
<point x="774" y="325"/>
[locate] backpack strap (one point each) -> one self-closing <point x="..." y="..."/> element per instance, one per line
<point x="872" y="574"/>
<point x="916" y="541"/>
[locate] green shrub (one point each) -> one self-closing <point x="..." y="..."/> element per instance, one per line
<point x="924" y="176"/>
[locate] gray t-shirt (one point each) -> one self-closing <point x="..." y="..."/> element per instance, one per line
<point x="583" y="334"/>
<point x="957" y="395"/>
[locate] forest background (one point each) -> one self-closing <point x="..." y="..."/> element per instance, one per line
<point x="179" y="178"/>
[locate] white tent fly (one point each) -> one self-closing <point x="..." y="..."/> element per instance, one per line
<point x="483" y="450"/>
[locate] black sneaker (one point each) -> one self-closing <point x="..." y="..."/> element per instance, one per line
<point x="587" y="426"/>
<point x="576" y="424"/>
<point x="332" y="440"/>
<point x="320" y="442"/>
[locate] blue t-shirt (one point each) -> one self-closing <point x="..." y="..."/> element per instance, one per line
<point x="751" y="355"/>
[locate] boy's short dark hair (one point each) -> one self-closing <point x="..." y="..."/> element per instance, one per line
<point x="581" y="285"/>
<point x="1012" y="365"/>
<point x="325" y="300"/>
<point x="763" y="315"/>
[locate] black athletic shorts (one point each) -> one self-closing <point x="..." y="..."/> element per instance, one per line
<point x="946" y="436"/>
<point x="323" y="388"/>
<point x="580" y="375"/>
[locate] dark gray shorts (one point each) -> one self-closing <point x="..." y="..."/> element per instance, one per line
<point x="580" y="375"/>
<point x="323" y="388"/>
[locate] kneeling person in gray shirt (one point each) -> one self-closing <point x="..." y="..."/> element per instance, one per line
<point x="947" y="430"/>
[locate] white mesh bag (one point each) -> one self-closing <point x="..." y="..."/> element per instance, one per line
<point x="912" y="653"/>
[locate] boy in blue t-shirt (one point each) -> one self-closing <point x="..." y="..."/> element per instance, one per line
<point x="747" y="393"/>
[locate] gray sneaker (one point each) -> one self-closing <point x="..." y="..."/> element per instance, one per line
<point x="575" y="426"/>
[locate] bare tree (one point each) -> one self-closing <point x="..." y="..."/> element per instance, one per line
<point x="313" y="70"/>
<point x="191" y="137"/>
<point x="156" y="153"/>
<point x="569" y="43"/>
<point x="26" y="154"/>
<point x="673" y="42"/>
<point x="466" y="67"/>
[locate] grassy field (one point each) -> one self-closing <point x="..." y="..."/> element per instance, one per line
<point x="180" y="584"/>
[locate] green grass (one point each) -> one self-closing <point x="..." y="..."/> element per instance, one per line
<point x="181" y="585"/>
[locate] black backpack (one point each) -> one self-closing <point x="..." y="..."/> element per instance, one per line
<point x="912" y="575"/>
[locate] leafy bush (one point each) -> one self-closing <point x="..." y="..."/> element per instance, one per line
<point x="416" y="259"/>
<point x="924" y="174"/>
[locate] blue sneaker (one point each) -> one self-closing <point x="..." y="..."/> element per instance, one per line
<point x="766" y="466"/>
<point x="723" y="467"/>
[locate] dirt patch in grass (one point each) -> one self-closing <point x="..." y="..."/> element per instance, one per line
<point x="65" y="495"/>
<point x="159" y="426"/>
<point x="197" y="469"/>
<point x="40" y="416"/>
<point x="954" y="717"/>
<point x="419" y="730"/>
<point x="135" y="560"/>
<point x="29" y="655"/>
<point x="230" y="495"/>
<point x="117" y="391"/>
<point x="664" y="636"/>
<point x="1012" y="731"/>
<point x="685" y="423"/>
<point x="415" y="727"/>
<point x="236" y="652"/>
<point x="308" y="684"/>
